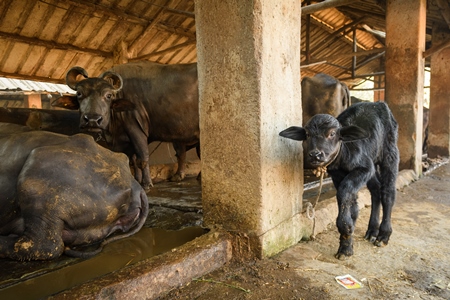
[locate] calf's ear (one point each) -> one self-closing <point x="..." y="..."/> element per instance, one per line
<point x="122" y="105"/>
<point x="352" y="133"/>
<point x="294" y="133"/>
<point x="67" y="102"/>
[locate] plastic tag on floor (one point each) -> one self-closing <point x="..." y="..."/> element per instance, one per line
<point x="349" y="282"/>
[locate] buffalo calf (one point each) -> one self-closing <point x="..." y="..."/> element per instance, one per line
<point x="358" y="148"/>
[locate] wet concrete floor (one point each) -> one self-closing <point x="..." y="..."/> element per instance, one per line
<point x="175" y="217"/>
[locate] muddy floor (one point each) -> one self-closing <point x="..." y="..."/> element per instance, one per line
<point x="415" y="264"/>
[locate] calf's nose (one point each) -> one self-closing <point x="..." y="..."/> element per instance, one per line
<point x="315" y="154"/>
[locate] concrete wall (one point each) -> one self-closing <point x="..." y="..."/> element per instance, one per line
<point x="249" y="77"/>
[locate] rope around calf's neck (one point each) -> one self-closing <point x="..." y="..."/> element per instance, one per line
<point x="310" y="207"/>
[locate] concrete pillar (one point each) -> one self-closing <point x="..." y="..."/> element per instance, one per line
<point x="32" y="101"/>
<point x="439" y="128"/>
<point x="405" y="43"/>
<point x="378" y="95"/>
<point x="249" y="83"/>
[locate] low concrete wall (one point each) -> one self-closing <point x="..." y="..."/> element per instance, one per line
<point x="152" y="277"/>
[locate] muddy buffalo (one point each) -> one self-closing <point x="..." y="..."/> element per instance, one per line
<point x="137" y="103"/>
<point x="357" y="148"/>
<point x="60" y="193"/>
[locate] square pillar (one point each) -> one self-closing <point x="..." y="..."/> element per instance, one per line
<point x="439" y="127"/>
<point x="405" y="43"/>
<point x="249" y="84"/>
<point x="32" y="101"/>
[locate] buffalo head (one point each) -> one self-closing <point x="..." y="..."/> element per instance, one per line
<point x="95" y="98"/>
<point x="323" y="135"/>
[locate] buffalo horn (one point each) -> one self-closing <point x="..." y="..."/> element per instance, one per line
<point x="114" y="79"/>
<point x="72" y="74"/>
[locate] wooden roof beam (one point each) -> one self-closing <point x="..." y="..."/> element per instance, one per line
<point x="345" y="55"/>
<point x="167" y="50"/>
<point x="310" y="9"/>
<point x="436" y="49"/>
<point x="51" y="45"/>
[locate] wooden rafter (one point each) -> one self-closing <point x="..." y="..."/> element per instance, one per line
<point x="436" y="49"/>
<point x="52" y="45"/>
<point x="310" y="9"/>
<point x="167" y="50"/>
<point x="347" y="55"/>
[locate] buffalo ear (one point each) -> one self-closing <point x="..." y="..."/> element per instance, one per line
<point x="122" y="105"/>
<point x="67" y="102"/>
<point x="352" y="133"/>
<point x="294" y="133"/>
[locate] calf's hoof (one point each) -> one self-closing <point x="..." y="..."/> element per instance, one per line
<point x="342" y="256"/>
<point x="345" y="248"/>
<point x="371" y="237"/>
<point x="381" y="242"/>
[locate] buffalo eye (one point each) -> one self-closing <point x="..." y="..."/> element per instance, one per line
<point x="108" y="96"/>
<point x="79" y="94"/>
<point x="332" y="133"/>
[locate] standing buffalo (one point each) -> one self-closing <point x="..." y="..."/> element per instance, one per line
<point x="137" y="103"/>
<point x="323" y="94"/>
<point x="61" y="192"/>
<point x="358" y="148"/>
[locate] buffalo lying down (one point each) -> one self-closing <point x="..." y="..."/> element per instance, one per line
<point x="59" y="192"/>
<point x="137" y="103"/>
<point x="358" y="148"/>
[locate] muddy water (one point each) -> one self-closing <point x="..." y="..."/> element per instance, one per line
<point x="36" y="280"/>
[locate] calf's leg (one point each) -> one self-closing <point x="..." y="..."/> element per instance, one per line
<point x="374" y="222"/>
<point x="388" y="191"/>
<point x="346" y="195"/>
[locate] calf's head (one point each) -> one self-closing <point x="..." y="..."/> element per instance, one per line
<point x="323" y="135"/>
<point x="95" y="98"/>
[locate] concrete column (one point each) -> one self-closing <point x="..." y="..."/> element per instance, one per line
<point x="405" y="43"/>
<point x="249" y="83"/>
<point x="378" y="95"/>
<point x="439" y="128"/>
<point x="32" y="101"/>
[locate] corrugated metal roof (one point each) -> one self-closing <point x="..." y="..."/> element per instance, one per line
<point x="9" y="84"/>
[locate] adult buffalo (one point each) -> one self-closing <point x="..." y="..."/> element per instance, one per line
<point x="61" y="192"/>
<point x="137" y="103"/>
<point x="323" y="94"/>
<point x="357" y="148"/>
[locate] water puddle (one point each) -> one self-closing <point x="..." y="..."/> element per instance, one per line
<point x="36" y="280"/>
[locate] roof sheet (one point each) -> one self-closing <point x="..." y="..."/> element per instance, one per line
<point x="10" y="84"/>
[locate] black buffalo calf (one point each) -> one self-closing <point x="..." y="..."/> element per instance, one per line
<point x="358" y="148"/>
